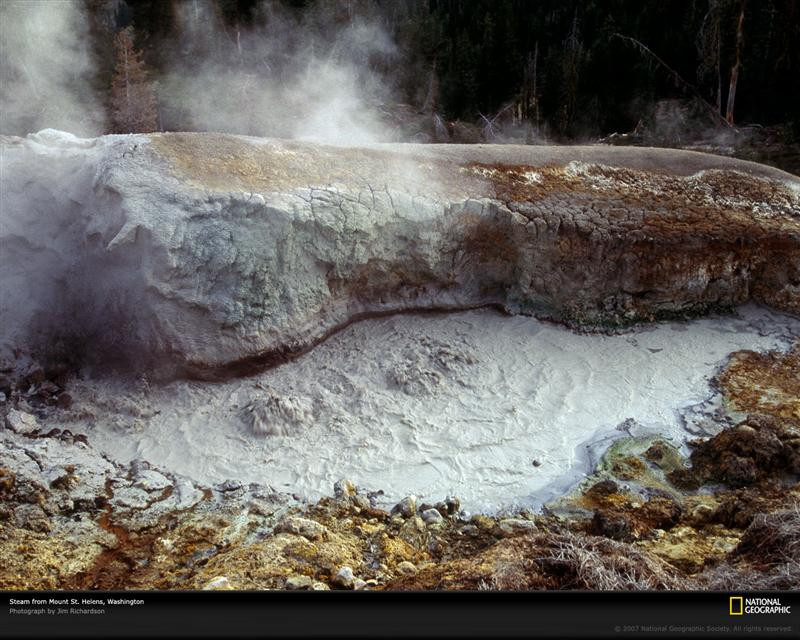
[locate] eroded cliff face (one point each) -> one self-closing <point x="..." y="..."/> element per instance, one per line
<point x="204" y="254"/>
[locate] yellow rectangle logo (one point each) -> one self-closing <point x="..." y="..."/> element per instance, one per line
<point x="737" y="606"/>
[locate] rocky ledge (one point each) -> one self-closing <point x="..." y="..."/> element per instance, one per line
<point x="726" y="517"/>
<point x="207" y="255"/>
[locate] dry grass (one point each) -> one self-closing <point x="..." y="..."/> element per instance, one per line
<point x="767" y="557"/>
<point x="589" y="562"/>
<point x="732" y="578"/>
<point x="773" y="538"/>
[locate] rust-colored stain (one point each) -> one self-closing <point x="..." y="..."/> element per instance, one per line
<point x="225" y="163"/>
<point x="764" y="382"/>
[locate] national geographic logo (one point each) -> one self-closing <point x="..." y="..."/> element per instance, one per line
<point x="739" y="606"/>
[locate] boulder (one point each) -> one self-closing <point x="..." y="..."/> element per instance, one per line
<point x="344" y="488"/>
<point x="309" y="529"/>
<point x="21" y="422"/>
<point x="298" y="583"/>
<point x="344" y="578"/>
<point x="407" y="507"/>
<point x="515" y="526"/>
<point x="432" y="516"/>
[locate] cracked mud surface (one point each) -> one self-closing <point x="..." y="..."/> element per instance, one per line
<point x="237" y="250"/>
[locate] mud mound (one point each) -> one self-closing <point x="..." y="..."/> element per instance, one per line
<point x="203" y="254"/>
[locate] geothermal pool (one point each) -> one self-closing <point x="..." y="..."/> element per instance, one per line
<point x="500" y="411"/>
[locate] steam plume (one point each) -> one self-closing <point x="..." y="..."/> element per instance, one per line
<point x="309" y="78"/>
<point x="46" y="68"/>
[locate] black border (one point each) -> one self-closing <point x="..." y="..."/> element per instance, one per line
<point x="405" y="614"/>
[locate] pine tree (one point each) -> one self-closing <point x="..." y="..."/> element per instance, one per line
<point x="133" y="101"/>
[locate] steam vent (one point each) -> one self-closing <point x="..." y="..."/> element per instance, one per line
<point x="202" y="333"/>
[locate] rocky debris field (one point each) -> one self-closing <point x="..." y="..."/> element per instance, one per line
<point x="647" y="518"/>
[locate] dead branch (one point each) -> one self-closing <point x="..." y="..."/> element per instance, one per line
<point x="644" y="49"/>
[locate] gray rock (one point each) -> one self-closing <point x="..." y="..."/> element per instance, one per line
<point x="186" y="494"/>
<point x="219" y="583"/>
<point x="151" y="480"/>
<point x="21" y="422"/>
<point x="128" y="497"/>
<point x="344" y="489"/>
<point x="230" y="485"/>
<point x="414" y="532"/>
<point x="432" y="516"/>
<point x="298" y="583"/>
<point x="396" y="520"/>
<point x="406" y="568"/>
<point x="702" y="514"/>
<point x="309" y="529"/>
<point x="514" y="526"/>
<point x="453" y="505"/>
<point x="407" y="507"/>
<point x="344" y="578"/>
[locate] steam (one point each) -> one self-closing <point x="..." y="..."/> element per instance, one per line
<point x="319" y="75"/>
<point x="46" y="68"/>
<point x="311" y="78"/>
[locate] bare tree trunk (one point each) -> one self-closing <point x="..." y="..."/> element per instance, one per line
<point x="432" y="96"/>
<point x="732" y="94"/>
<point x="127" y="84"/>
<point x="735" y="69"/>
<point x="719" y="73"/>
<point x="535" y="93"/>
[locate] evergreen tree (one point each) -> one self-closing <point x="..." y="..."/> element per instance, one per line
<point x="133" y="101"/>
